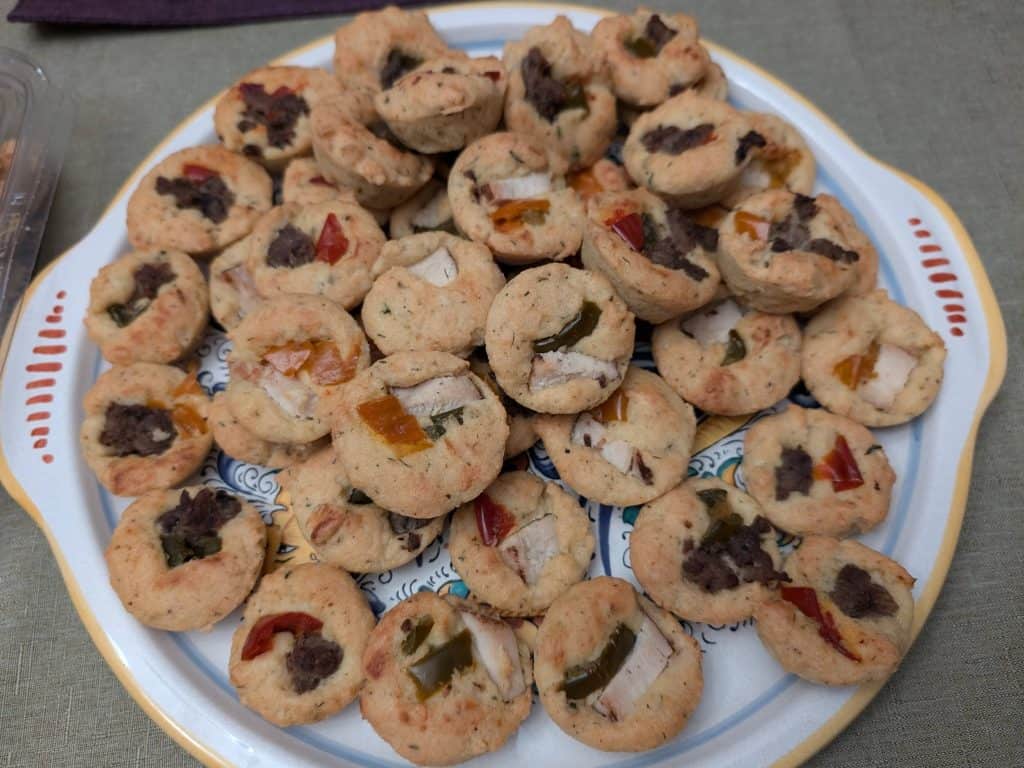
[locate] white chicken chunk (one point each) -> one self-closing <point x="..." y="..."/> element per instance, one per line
<point x="553" y="368"/>
<point x="291" y="395"/>
<point x="621" y="454"/>
<point x="495" y="644"/>
<point x="712" y="326"/>
<point x="439" y="268"/>
<point x="649" y="656"/>
<point x="518" y="187"/>
<point x="435" y="213"/>
<point x="892" y="369"/>
<point x="528" y="550"/>
<point x="437" y="395"/>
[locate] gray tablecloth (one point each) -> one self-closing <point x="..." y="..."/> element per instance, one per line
<point x="933" y="87"/>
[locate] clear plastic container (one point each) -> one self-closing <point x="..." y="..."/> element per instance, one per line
<point x="35" y="125"/>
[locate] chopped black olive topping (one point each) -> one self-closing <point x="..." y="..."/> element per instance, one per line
<point x="730" y="552"/>
<point x="656" y="35"/>
<point x="672" y="140"/>
<point x="189" y="531"/>
<point x="290" y="248"/>
<point x="211" y="197"/>
<point x="148" y="279"/>
<point x="137" y="430"/>
<point x="277" y="112"/>
<point x="747" y="142"/>
<point x="311" y="659"/>
<point x="858" y="596"/>
<point x="793" y="473"/>
<point x="396" y="65"/>
<point x="548" y="95"/>
<point x="671" y="252"/>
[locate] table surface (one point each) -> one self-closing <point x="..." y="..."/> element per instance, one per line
<point x="935" y="87"/>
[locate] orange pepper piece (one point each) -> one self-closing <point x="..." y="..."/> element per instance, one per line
<point x="389" y="420"/>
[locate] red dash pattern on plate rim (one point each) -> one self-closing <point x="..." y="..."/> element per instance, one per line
<point x="955" y="313"/>
<point x="43" y="361"/>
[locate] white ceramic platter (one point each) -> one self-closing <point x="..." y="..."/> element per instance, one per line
<point x="752" y="712"/>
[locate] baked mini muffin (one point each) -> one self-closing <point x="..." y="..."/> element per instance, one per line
<point x="781" y="252"/>
<point x="304" y="183"/>
<point x="867" y="264"/>
<point x="559" y="339"/>
<point x="520" y="544"/>
<point x="354" y="149"/>
<point x="419" y="433"/>
<point x="445" y="103"/>
<point x="505" y="191"/>
<point x="559" y="92"/>
<point x="198" y="200"/>
<point x="651" y="56"/>
<point x="603" y="176"/>
<point x="233" y="293"/>
<point x="817" y="473"/>
<point x="343" y="524"/>
<point x="288" y="359"/>
<point x="265" y="115"/>
<point x="431" y="291"/>
<point x="728" y="360"/>
<point x="615" y="671"/>
<point x="521" y="432"/>
<point x="659" y="259"/>
<point x="445" y="680"/>
<point x="784" y="162"/>
<point x="297" y="655"/>
<point x="148" y="306"/>
<point x="706" y="552"/>
<point x="691" y="150"/>
<point x="241" y="444"/>
<point x="144" y="428"/>
<point x="630" y="449"/>
<point x="326" y="249"/>
<point x="426" y="211"/>
<point x="845" y="619"/>
<point x="183" y="560"/>
<point x="873" y="360"/>
<point x="377" y="47"/>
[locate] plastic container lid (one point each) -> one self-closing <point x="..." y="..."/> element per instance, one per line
<point x="35" y="125"/>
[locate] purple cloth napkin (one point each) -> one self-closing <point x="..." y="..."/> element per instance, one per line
<point x="181" y="13"/>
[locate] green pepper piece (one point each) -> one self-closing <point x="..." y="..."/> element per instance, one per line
<point x="416" y="634"/>
<point x="435" y="670"/>
<point x="358" y="497"/>
<point x="641" y="47"/>
<point x="584" y="679"/>
<point x="124" y="314"/>
<point x="575" y="97"/>
<point x="736" y="350"/>
<point x="179" y="550"/>
<point x="534" y="217"/>
<point x="581" y="326"/>
<point x="437" y="429"/>
<point x="722" y="529"/>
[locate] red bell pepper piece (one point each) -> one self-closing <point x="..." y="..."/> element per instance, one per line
<point x="493" y="521"/>
<point x="806" y="600"/>
<point x="197" y="174"/>
<point x="332" y="243"/>
<point x="840" y="467"/>
<point x="261" y="636"/>
<point x="630" y="227"/>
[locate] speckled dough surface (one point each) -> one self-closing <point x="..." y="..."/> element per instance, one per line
<point x="445" y="103"/>
<point x="144" y="428"/>
<point x="194" y="594"/>
<point x="577" y="628"/>
<point x="265" y="115"/>
<point x="629" y="450"/>
<point x="472" y="714"/>
<point x="846" y="330"/>
<point x="673" y="526"/>
<point x="690" y="150"/>
<point x="239" y="443"/>
<point x="344" y="526"/>
<point x="873" y="628"/>
<point x="546" y="549"/>
<point x="784" y="162"/>
<point x="291" y="251"/>
<point x="233" y="294"/>
<point x="400" y="466"/>
<point x="267" y="683"/>
<point x="148" y="306"/>
<point x="555" y="229"/>
<point x="578" y="125"/>
<point x="211" y="198"/>
<point x="285" y="400"/>
<point x="304" y="183"/>
<point x="521" y="432"/>
<point x="729" y="361"/>
<point x="668" y="270"/>
<point x="432" y="291"/>
<point x="651" y="56"/>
